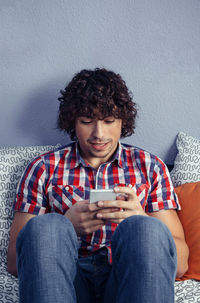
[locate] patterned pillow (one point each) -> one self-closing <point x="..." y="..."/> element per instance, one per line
<point x="13" y="161"/>
<point x="187" y="163"/>
<point x="187" y="291"/>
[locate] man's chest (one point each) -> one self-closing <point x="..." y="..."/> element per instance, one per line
<point x="73" y="185"/>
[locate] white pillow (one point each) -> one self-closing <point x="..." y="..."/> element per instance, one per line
<point x="187" y="163"/>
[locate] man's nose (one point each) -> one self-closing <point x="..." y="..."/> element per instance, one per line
<point x="98" y="131"/>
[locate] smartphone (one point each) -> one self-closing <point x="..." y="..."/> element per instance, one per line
<point x="102" y="195"/>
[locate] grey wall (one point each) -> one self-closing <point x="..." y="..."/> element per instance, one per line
<point x="154" y="45"/>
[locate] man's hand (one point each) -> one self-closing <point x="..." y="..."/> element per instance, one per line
<point x="83" y="216"/>
<point x="124" y="209"/>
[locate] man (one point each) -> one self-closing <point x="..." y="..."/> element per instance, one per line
<point x="126" y="250"/>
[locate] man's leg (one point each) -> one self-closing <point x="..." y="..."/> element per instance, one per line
<point x="144" y="262"/>
<point x="47" y="249"/>
<point x="92" y="275"/>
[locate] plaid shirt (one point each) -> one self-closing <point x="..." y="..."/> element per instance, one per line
<point x="53" y="182"/>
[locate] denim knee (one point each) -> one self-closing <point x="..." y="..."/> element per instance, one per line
<point x="52" y="229"/>
<point x="142" y="234"/>
<point x="143" y="224"/>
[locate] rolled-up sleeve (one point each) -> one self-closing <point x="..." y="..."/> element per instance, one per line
<point x="162" y="194"/>
<point x="30" y="196"/>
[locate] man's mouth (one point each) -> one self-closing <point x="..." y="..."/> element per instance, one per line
<point x="99" y="145"/>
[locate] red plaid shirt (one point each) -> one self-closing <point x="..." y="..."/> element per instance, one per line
<point x="53" y="182"/>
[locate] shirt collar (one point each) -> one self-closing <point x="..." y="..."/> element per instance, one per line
<point x="75" y="159"/>
<point x="118" y="156"/>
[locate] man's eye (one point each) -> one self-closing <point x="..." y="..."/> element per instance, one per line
<point x="109" y="121"/>
<point x="86" y="121"/>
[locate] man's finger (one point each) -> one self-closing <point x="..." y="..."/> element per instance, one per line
<point x="113" y="215"/>
<point x="86" y="206"/>
<point x="117" y="204"/>
<point x="127" y="190"/>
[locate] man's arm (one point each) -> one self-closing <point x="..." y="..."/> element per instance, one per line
<point x="20" y="219"/>
<point x="170" y="218"/>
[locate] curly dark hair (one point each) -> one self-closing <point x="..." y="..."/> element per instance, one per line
<point x="97" y="93"/>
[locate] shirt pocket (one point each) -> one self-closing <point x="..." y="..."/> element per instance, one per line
<point x="62" y="197"/>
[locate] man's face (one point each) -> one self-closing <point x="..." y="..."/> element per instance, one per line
<point x="98" y="139"/>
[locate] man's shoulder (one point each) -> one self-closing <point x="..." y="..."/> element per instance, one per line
<point x="135" y="150"/>
<point x="141" y="155"/>
<point x="60" y="151"/>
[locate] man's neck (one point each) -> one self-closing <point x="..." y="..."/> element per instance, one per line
<point x="96" y="162"/>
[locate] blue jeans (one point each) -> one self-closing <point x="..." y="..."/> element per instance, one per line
<point x="49" y="270"/>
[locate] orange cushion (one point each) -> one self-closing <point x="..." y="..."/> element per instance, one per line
<point x="189" y="215"/>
